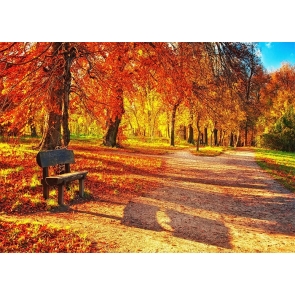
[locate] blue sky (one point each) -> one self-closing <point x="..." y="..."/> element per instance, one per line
<point x="273" y="54"/>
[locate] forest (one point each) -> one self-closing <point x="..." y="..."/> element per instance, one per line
<point x="205" y="93"/>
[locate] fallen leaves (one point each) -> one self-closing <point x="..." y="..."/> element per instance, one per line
<point x="17" y="237"/>
<point x="112" y="176"/>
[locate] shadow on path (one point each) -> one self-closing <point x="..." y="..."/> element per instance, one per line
<point x="142" y="216"/>
<point x="230" y="185"/>
<point x="182" y="225"/>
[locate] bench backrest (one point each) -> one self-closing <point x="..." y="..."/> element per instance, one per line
<point x="54" y="157"/>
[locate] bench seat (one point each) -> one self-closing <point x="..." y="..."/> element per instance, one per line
<point x="64" y="178"/>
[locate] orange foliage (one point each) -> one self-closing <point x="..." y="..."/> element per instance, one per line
<point x="38" y="238"/>
<point x="111" y="176"/>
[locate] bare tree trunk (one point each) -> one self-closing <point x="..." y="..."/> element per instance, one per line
<point x="173" y="118"/>
<point x="190" y="134"/>
<point x="190" y="126"/>
<point x="199" y="133"/>
<point x="215" y="132"/>
<point x="69" y="56"/>
<point x="237" y="139"/>
<point x="51" y="137"/>
<point x="32" y="127"/>
<point x="110" y="138"/>
<point x="231" y="141"/>
<point x="184" y="132"/>
<point x="206" y="136"/>
<point x="246" y="134"/>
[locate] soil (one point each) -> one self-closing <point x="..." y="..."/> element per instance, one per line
<point x="202" y="204"/>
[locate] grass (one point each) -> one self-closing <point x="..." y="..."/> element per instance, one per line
<point x="209" y="151"/>
<point x="157" y="146"/>
<point x="281" y="165"/>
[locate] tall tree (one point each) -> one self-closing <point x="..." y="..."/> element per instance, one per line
<point x="37" y="78"/>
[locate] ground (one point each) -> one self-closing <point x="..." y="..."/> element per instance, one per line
<point x="200" y="204"/>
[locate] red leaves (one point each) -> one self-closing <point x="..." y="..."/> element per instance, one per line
<point x="38" y="238"/>
<point x="21" y="204"/>
<point x="112" y="174"/>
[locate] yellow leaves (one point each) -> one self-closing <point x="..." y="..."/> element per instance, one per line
<point x="81" y="120"/>
<point x="35" y="181"/>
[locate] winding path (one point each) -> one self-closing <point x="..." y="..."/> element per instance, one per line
<point x="226" y="201"/>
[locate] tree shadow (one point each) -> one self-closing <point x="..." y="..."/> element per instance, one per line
<point x="199" y="229"/>
<point x="142" y="216"/>
<point x="237" y="191"/>
<point x="185" y="226"/>
<point x="96" y="214"/>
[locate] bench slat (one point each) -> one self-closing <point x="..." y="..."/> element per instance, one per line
<point x="67" y="177"/>
<point x="54" y="157"/>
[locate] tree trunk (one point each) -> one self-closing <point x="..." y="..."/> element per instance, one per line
<point x="69" y="56"/>
<point x="57" y="119"/>
<point x="246" y="134"/>
<point x="51" y="132"/>
<point x="199" y="132"/>
<point x="211" y="138"/>
<point x="190" y="134"/>
<point x="237" y="141"/>
<point x="190" y="128"/>
<point x="173" y="118"/>
<point x="206" y="136"/>
<point x="32" y="127"/>
<point x="110" y="138"/>
<point x="215" y="132"/>
<point x="231" y="141"/>
<point x="184" y="132"/>
<point x="33" y="130"/>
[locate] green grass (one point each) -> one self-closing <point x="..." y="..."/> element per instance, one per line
<point x="281" y="165"/>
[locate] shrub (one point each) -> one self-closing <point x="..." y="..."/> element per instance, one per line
<point x="282" y="135"/>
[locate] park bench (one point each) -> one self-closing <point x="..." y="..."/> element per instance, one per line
<point x="46" y="159"/>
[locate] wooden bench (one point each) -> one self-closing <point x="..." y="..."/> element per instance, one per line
<point x="46" y="159"/>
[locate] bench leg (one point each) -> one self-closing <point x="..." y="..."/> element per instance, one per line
<point x="81" y="187"/>
<point x="45" y="191"/>
<point x="61" y="194"/>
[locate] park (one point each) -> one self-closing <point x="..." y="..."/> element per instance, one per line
<point x="145" y="147"/>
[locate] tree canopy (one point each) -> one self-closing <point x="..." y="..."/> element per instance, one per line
<point x="217" y="92"/>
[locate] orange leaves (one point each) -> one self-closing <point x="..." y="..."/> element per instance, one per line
<point x="36" y="238"/>
<point x="115" y="174"/>
<point x="112" y="174"/>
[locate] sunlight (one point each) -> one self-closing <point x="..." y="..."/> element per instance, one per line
<point x="164" y="220"/>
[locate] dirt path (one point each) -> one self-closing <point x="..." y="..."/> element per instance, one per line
<point x="220" y="204"/>
<point x="203" y="204"/>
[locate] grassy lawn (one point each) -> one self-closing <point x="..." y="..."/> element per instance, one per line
<point x="279" y="164"/>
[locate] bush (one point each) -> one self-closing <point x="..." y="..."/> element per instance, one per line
<point x="282" y="135"/>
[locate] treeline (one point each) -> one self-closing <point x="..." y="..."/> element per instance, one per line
<point x="212" y="93"/>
